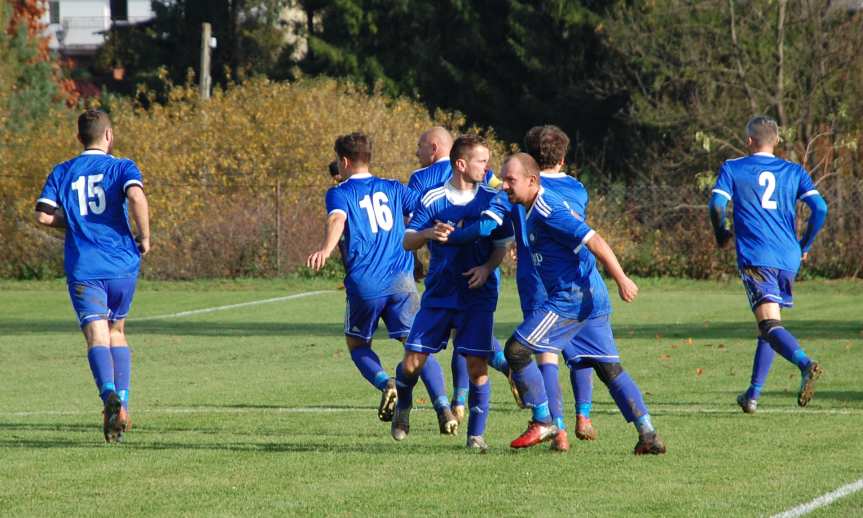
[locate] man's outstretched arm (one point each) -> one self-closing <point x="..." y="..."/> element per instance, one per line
<point x="335" y="227"/>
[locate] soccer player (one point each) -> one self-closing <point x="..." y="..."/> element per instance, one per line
<point x="765" y="190"/>
<point x="564" y="251"/>
<point x="548" y="146"/>
<point x="370" y="212"/>
<point x="91" y="196"/>
<point x="433" y="153"/>
<point x="461" y="290"/>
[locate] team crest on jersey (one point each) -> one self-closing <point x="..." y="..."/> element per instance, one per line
<point x="532" y="238"/>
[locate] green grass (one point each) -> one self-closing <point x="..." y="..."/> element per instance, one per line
<point x="258" y="411"/>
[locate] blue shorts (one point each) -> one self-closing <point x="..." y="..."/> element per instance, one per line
<point x="106" y="299"/>
<point x="397" y="310"/>
<point x="432" y="327"/>
<point x="768" y="285"/>
<point x="546" y="331"/>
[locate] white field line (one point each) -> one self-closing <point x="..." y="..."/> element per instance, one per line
<point x="231" y="306"/>
<point x="822" y="500"/>
<point x="322" y="409"/>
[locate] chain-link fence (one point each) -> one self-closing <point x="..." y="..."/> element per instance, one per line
<point x="243" y="229"/>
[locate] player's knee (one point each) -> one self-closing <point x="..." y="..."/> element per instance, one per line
<point x="355" y="342"/>
<point x="767" y="325"/>
<point x="517" y="355"/>
<point x="607" y="372"/>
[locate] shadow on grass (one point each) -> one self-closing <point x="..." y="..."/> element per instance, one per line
<point x="322" y="445"/>
<point x="829" y="329"/>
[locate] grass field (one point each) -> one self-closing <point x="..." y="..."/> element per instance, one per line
<point x="258" y="411"/>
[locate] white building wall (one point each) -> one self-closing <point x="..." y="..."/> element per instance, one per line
<point x="83" y="22"/>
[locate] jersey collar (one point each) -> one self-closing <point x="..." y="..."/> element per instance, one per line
<point x="360" y="176"/>
<point x="93" y="152"/>
<point x="541" y="190"/>
<point x="442" y="159"/>
<point x="764" y="153"/>
<point x="457" y="197"/>
<point x="552" y="174"/>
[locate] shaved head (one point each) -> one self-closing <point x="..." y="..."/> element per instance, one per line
<point x="434" y="144"/>
<point x="528" y="165"/>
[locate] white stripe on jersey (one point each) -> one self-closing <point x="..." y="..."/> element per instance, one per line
<point x="542" y="206"/>
<point x="337" y="211"/>
<point x="432" y="195"/>
<point x="131" y="183"/>
<point x="493" y="216"/>
<point x="583" y="241"/>
<point x="48" y="201"/>
<point x="807" y="194"/>
<point x="722" y="193"/>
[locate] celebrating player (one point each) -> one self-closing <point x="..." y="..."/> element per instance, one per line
<point x="88" y="196"/>
<point x="765" y="190"/>
<point x="562" y="249"/>
<point x="433" y="150"/>
<point x="461" y="290"/>
<point x="547" y="145"/>
<point x="379" y="284"/>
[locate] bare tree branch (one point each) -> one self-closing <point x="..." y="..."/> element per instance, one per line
<point x="740" y="72"/>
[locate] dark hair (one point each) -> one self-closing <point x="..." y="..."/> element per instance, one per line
<point x="547" y="145"/>
<point x="356" y="147"/>
<point x="92" y="125"/>
<point x="334" y="168"/>
<point x="463" y="146"/>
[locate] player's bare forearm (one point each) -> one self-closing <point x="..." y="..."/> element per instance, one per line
<point x="139" y="209"/>
<point x="335" y="227"/>
<point x="414" y="240"/>
<point x="605" y="255"/>
<point x="496" y="257"/>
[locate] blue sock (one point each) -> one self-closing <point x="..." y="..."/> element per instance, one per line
<point x="122" y="357"/>
<point x="497" y="359"/>
<point x="552" y="390"/>
<point x="460" y="378"/>
<point x="626" y="394"/>
<point x="786" y="345"/>
<point x="479" y="399"/>
<point x="404" y="388"/>
<point x="532" y="388"/>
<point x="102" y="367"/>
<point x="581" y="377"/>
<point x="432" y="376"/>
<point x="643" y="424"/>
<point x="370" y="367"/>
<point x="764" y="355"/>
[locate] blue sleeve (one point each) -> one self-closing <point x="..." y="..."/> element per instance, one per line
<point x="415" y="185"/>
<point x="50" y="195"/>
<point x="818" y="206"/>
<point x="503" y="234"/>
<point x="410" y="199"/>
<point x="567" y="229"/>
<point x="724" y="183"/>
<point x="420" y="220"/>
<point x="336" y="202"/>
<point x="805" y="187"/>
<point x="481" y="228"/>
<point x="130" y="175"/>
<point x="716" y="206"/>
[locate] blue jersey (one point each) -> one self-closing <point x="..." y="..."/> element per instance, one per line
<point x="765" y="191"/>
<point x="446" y="287"/>
<point x="91" y="190"/>
<point x="436" y="174"/>
<point x="376" y="263"/>
<point x="557" y="234"/>
<point x="530" y="288"/>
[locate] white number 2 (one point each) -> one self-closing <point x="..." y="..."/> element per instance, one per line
<point x="380" y="215"/>
<point x="93" y="190"/>
<point x="767" y="178"/>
